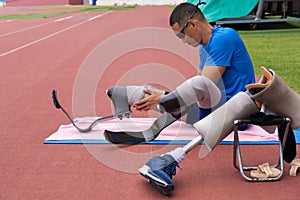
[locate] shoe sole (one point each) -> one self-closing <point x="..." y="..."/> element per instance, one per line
<point x="157" y="183"/>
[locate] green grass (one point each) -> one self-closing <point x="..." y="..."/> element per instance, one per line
<point x="83" y="8"/>
<point x="63" y="7"/>
<point x="57" y="13"/>
<point x="31" y="16"/>
<point x="278" y="50"/>
<point x="101" y="8"/>
<point x="295" y="23"/>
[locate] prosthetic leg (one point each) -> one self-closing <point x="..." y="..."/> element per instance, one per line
<point x="275" y="94"/>
<point x="212" y="129"/>
<point x="176" y="104"/>
<point x="216" y="126"/>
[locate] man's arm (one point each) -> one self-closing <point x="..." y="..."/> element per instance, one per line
<point x="214" y="73"/>
<point x="199" y="72"/>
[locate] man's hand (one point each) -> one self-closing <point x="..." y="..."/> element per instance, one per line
<point x="148" y="102"/>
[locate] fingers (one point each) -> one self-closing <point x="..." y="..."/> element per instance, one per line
<point x="143" y="104"/>
<point x="147" y="91"/>
<point x="148" y="102"/>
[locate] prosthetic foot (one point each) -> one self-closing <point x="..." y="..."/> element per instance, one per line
<point x="275" y="94"/>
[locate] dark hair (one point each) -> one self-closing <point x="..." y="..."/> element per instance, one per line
<point x="183" y="12"/>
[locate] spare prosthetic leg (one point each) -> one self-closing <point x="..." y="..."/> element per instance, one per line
<point x="274" y="94"/>
<point x="196" y="89"/>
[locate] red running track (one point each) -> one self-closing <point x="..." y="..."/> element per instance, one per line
<point x="81" y="55"/>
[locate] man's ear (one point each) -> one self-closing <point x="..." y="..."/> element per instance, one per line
<point x="193" y="22"/>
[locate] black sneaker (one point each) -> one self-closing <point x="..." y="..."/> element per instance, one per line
<point x="159" y="171"/>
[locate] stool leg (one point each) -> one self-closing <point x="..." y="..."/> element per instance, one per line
<point x="238" y="156"/>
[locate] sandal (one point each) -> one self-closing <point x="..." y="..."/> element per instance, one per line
<point x="295" y="164"/>
<point x="265" y="171"/>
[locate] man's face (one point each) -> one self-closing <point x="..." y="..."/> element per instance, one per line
<point x="188" y="34"/>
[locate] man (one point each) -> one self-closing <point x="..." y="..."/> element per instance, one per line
<point x="224" y="60"/>
<point x="223" y="55"/>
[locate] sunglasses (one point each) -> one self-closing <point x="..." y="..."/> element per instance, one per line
<point x="181" y="34"/>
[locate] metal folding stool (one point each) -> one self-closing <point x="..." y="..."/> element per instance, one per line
<point x="237" y="151"/>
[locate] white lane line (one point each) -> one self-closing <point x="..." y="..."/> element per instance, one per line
<point x="25" y="29"/>
<point x="5" y="21"/>
<point x="95" y="17"/>
<point x="62" y="19"/>
<point x="48" y="36"/>
<point x="33" y="27"/>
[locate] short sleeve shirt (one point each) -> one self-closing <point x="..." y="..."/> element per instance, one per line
<point x="226" y="48"/>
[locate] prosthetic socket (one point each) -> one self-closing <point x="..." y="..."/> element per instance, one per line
<point x="217" y="125"/>
<point x="196" y="89"/>
<point x="277" y="96"/>
<point x="124" y="97"/>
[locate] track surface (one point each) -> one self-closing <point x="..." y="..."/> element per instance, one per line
<point x="39" y="55"/>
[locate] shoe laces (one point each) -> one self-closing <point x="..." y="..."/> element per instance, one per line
<point x="170" y="167"/>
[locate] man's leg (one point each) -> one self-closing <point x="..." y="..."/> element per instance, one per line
<point x="197" y="89"/>
<point x="199" y="113"/>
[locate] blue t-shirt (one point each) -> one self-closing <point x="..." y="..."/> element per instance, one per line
<point x="226" y="48"/>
